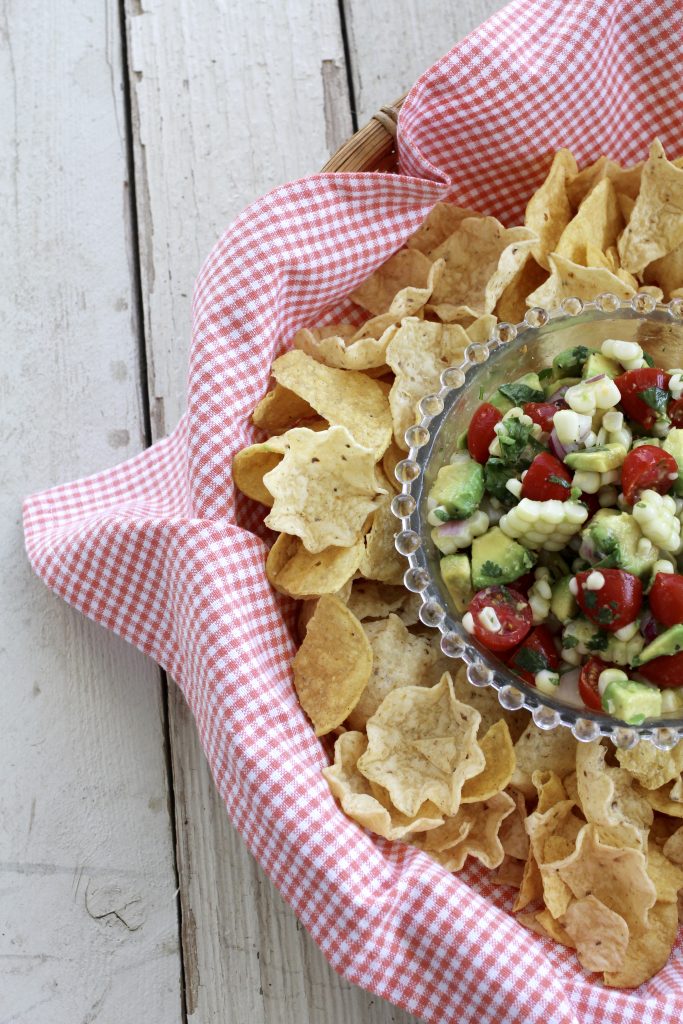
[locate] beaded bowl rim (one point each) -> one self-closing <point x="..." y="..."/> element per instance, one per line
<point x="483" y="670"/>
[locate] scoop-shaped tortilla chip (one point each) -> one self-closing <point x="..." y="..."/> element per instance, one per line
<point x="360" y="801"/>
<point x="548" y="211"/>
<point x="555" y="750"/>
<point x="342" y="397"/>
<point x="294" y="571"/>
<point x="323" y="489"/>
<point x="473" y="832"/>
<point x="422" y="746"/>
<point x="596" y="225"/>
<point x="332" y="666"/>
<point x="372" y="600"/>
<point x="660" y="800"/>
<point x="607" y="795"/>
<point x="406" y="268"/>
<point x="334" y="350"/>
<point x="673" y="847"/>
<point x="656" y="223"/>
<point x="664" y="873"/>
<point x="418" y="354"/>
<point x="499" y="753"/>
<point x="399" y="659"/>
<point x="570" y="279"/>
<point x="600" y="935"/>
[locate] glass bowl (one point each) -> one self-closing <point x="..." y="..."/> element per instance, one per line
<point x="511" y="351"/>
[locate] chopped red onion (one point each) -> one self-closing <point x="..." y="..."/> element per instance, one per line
<point x="649" y="627"/>
<point x="558" y="449"/>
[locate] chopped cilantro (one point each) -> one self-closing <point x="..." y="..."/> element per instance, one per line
<point x="520" y="394"/>
<point x="605" y="616"/>
<point x="529" y="661"/>
<point x="481" y="392"/>
<point x="599" y="642"/>
<point x="648" y="359"/>
<point x="558" y="480"/>
<point x="590" y="597"/>
<point x="570" y="641"/>
<point x="545" y="375"/>
<point x="491" y="569"/>
<point x="517" y="443"/>
<point x="496" y="475"/>
<point x="657" y="398"/>
<point x="441" y="513"/>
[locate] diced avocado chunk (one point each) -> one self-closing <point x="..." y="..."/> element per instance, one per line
<point x="597" y="364"/>
<point x="459" y="487"/>
<point x="569" y="363"/>
<point x="550" y="387"/>
<point x="456" y="574"/>
<point x="668" y="642"/>
<point x="632" y="702"/>
<point x="498" y="559"/>
<point x="673" y="444"/>
<point x="615" y="538"/>
<point x="563" y="604"/>
<point x="526" y="389"/>
<point x="600" y="459"/>
<point x="501" y="402"/>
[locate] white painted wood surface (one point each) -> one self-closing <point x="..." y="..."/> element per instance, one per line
<point x="88" y="918"/>
<point x="228" y="100"/>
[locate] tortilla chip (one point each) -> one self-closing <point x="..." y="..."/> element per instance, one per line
<point x="442" y="220"/>
<point x="656" y="224"/>
<point x="381" y="561"/>
<point x="652" y="767"/>
<point x="598" y="933"/>
<point x="392" y="455"/>
<point x="418" y="354"/>
<point x="249" y="468"/>
<point x="660" y="800"/>
<point x="305" y="504"/>
<point x="399" y="659"/>
<point x="548" y="211"/>
<point x="554" y="749"/>
<point x="665" y="874"/>
<point x="479" y="331"/>
<point x="294" y="571"/>
<point x="569" y="279"/>
<point x="360" y="802"/>
<point x="513" y="834"/>
<point x="541" y="828"/>
<point x="596" y="224"/>
<point x="512" y="305"/>
<point x="372" y="600"/>
<point x="342" y="397"/>
<point x="332" y="666"/>
<point x="497" y="748"/>
<point x="626" y="205"/>
<point x="667" y="272"/>
<point x="608" y="797"/>
<point x="481" y="258"/>
<point x="366" y="353"/>
<point x="406" y="268"/>
<point x="511" y="870"/>
<point x="279" y="410"/>
<point x="648" y="949"/>
<point x="531" y="889"/>
<point x="422" y="746"/>
<point x="673" y="847"/>
<point x="554" y="930"/>
<point x="626" y="180"/>
<point x="451" y="844"/>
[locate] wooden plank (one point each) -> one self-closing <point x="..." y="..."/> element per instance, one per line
<point x="415" y="33"/>
<point x="89" y="921"/>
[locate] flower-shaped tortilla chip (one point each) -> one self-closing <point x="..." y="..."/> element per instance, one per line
<point x="473" y="832"/>
<point x="608" y="798"/>
<point x="422" y="746"/>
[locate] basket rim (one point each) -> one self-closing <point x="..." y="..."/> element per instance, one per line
<point x="372" y="147"/>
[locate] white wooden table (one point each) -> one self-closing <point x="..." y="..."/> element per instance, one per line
<point x="132" y="133"/>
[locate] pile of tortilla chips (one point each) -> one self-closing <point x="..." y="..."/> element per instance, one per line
<point x="591" y="839"/>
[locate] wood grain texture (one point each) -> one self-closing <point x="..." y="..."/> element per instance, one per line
<point x="393" y="41"/>
<point x="88" y="919"/>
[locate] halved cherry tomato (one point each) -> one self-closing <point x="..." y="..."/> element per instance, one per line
<point x="538" y="652"/>
<point x="666" y="598"/>
<point x="592" y="503"/>
<point x="480" y="432"/>
<point x="676" y="413"/>
<point x="543" y="412"/>
<point x="647" y="467"/>
<point x="588" y="683"/>
<point x="631" y="386"/>
<point x="616" y="603"/>
<point x="666" y="671"/>
<point x="546" y="478"/>
<point x="513" y="612"/>
<point x="523" y="583"/>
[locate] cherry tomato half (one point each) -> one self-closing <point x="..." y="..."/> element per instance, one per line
<point x="676" y="413"/>
<point x="647" y="466"/>
<point x="543" y="412"/>
<point x="666" y="671"/>
<point x="588" y="683"/>
<point x="666" y="598"/>
<point x="592" y="503"/>
<point x="538" y="652"/>
<point x="546" y="478"/>
<point x="480" y="432"/>
<point x="616" y="603"/>
<point x="631" y="386"/>
<point x="513" y="612"/>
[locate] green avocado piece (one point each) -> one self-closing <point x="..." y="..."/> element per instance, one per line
<point x="600" y="459"/>
<point x="501" y="402"/>
<point x="563" y="604"/>
<point x="597" y="364"/>
<point x="525" y="389"/>
<point x="668" y="642"/>
<point x="459" y="487"/>
<point x="456" y="574"/>
<point x="498" y="559"/>
<point x="673" y="444"/>
<point x="632" y="702"/>
<point x="614" y="536"/>
<point x="550" y="387"/>
<point x="569" y="363"/>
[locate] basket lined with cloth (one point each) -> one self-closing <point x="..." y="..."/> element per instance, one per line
<point x="162" y="551"/>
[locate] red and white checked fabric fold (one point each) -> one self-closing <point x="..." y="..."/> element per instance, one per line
<point x="164" y="553"/>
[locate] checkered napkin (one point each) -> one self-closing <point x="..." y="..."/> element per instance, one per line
<point x="162" y="551"/>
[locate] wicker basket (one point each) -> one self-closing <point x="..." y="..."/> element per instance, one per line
<point x="373" y="148"/>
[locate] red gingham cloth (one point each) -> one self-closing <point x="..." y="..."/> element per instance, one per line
<point x="164" y="553"/>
